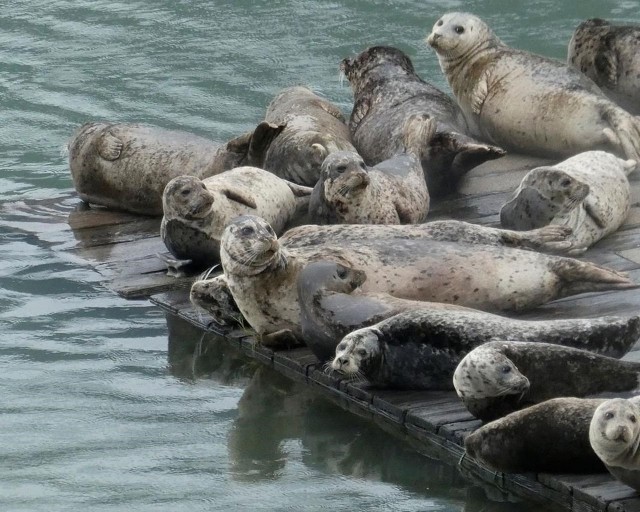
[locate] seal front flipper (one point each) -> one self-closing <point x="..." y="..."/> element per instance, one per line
<point x="239" y="197"/>
<point x="480" y="93"/>
<point x="592" y="207"/>
<point x="109" y="146"/>
<point x="283" y="338"/>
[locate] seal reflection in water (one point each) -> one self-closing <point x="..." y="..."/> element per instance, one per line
<point x="526" y="102"/>
<point x="421" y="349"/>
<point x="408" y="262"/>
<point x="386" y="93"/>
<point x="609" y="55"/>
<point x="127" y="166"/>
<point x="614" y="434"/>
<point x="500" y="377"/>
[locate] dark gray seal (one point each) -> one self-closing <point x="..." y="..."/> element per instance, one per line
<point x="315" y="127"/>
<point x="420" y="349"/>
<point x="614" y="435"/>
<point x="526" y="102"/>
<point x="610" y="56"/>
<point x="387" y="91"/>
<point x="500" y="377"/>
<point x="127" y="166"/>
<point x="549" y="437"/>
<point x="392" y="192"/>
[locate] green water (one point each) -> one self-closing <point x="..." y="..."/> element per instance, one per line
<point x="100" y="408"/>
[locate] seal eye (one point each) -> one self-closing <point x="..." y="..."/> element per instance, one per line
<point x="361" y="352"/>
<point x="203" y="186"/>
<point x="185" y="192"/>
<point x="506" y="369"/>
<point x="608" y="416"/>
<point x="459" y="29"/>
<point x="247" y="230"/>
<point x="341" y="168"/>
<point x="440" y="23"/>
<point x="565" y="182"/>
<point x="362" y="166"/>
<point x="341" y="346"/>
<point x="632" y="418"/>
<point x="342" y="272"/>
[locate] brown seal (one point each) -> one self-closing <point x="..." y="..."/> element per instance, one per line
<point x="315" y="127"/>
<point x="609" y="55"/>
<point x="127" y="166"/>
<point x="500" y="377"/>
<point x="526" y="102"/>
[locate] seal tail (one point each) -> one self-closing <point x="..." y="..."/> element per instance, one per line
<point x="583" y="277"/>
<point x="418" y="131"/>
<point x="623" y="132"/>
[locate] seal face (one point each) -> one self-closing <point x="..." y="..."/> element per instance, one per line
<point x="524" y="101"/>
<point x="589" y="193"/>
<point x="614" y="434"/>
<point x="314" y="128"/>
<point x="392" y="192"/>
<point x="127" y="166"/>
<point x="609" y="55"/>
<point x="387" y="92"/>
<point x="499" y="377"/>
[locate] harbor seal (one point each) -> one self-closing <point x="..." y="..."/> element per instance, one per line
<point x="386" y="92"/>
<point x="127" y="166"/>
<point x="614" y="435"/>
<point x="420" y="349"/>
<point x="392" y="192"/>
<point x="549" y="437"/>
<point x="213" y="296"/>
<point x="610" y="56"/>
<point x="405" y="261"/>
<point x="315" y="127"/>
<point x="526" y="102"/>
<point x="500" y="377"/>
<point x="588" y="192"/>
<point x="332" y="305"/>
<point x="197" y="211"/>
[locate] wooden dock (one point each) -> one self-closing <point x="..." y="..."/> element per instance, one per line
<point x="123" y="248"/>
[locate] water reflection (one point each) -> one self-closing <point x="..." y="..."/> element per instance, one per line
<point x="275" y="412"/>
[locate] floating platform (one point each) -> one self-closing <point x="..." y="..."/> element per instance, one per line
<point x="123" y="248"/>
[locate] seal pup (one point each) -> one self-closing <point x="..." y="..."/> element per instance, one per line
<point x="549" y="437"/>
<point x="421" y="348"/>
<point x="403" y="261"/>
<point x="526" y="102"/>
<point x="127" y="166"/>
<point x="588" y="192"/>
<point x="614" y="435"/>
<point x="500" y="377"/>
<point x="331" y="305"/>
<point x="610" y="56"/>
<point x="392" y="192"/>
<point x="197" y="211"/>
<point x="387" y="92"/>
<point x="315" y="127"/>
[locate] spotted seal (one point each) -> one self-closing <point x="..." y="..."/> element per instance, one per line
<point x="526" y="102"/>
<point x="614" y="434"/>
<point x="420" y="349"/>
<point x="386" y="92"/>
<point x="408" y="262"/>
<point x="500" y="377"/>
<point x="609" y="55"/>
<point x="588" y="192"/>
<point x="552" y="436"/>
<point x="392" y="192"/>
<point x="196" y="211"/>
<point x="315" y="127"/>
<point x="127" y="166"/>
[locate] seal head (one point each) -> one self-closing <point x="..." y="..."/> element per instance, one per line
<point x="615" y="433"/>
<point x="458" y="34"/>
<point x="359" y="353"/>
<point x="186" y="197"/>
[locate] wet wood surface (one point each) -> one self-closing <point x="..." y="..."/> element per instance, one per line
<point x="123" y="249"/>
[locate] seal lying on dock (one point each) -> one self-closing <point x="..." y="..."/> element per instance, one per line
<point x="386" y="92"/>
<point x="315" y="127"/>
<point x="526" y="102"/>
<point x="197" y="211"/>
<point x="392" y="192"/>
<point x="127" y="166"/>
<point x="404" y="261"/>
<point x="549" y="437"/>
<point x="610" y="56"/>
<point x="588" y="192"/>
<point x="500" y="377"/>
<point x="614" y="435"/>
<point x="420" y="349"/>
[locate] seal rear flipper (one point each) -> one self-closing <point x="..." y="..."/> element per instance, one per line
<point x="261" y="138"/>
<point x="110" y="146"/>
<point x="299" y="190"/>
<point x="583" y="277"/>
